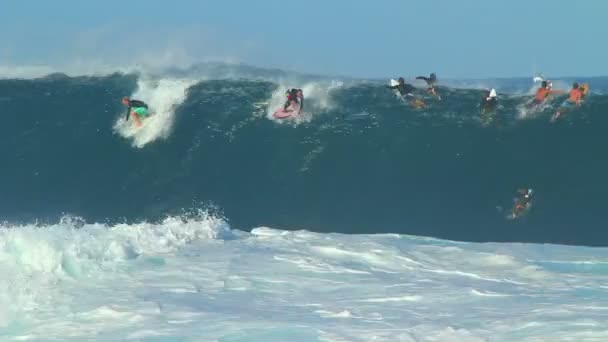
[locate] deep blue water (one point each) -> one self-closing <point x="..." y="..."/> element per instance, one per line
<point x="365" y="164"/>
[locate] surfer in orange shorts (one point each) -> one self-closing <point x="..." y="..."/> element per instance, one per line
<point x="574" y="99"/>
<point x="543" y="93"/>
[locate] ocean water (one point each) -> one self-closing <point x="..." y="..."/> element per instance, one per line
<point x="196" y="279"/>
<point x="361" y="220"/>
<point x="358" y="160"/>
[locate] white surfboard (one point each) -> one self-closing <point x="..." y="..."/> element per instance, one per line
<point x="394" y="83"/>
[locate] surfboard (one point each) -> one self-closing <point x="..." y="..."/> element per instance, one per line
<point x="585" y="87"/>
<point x="292" y="110"/>
<point x="417" y="103"/>
<point x="413" y="102"/>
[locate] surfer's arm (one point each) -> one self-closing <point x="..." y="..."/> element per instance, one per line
<point x="128" y="112"/>
<point x="392" y="87"/>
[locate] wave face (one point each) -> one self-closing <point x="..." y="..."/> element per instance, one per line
<point x="358" y="160"/>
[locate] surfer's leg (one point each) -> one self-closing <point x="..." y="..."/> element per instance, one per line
<point x="136" y="118"/>
<point x="140" y="113"/>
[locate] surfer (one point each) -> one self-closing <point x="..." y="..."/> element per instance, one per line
<point x="522" y="202"/>
<point x="296" y="96"/>
<point x="543" y="93"/>
<point x="430" y="81"/>
<point x="488" y="105"/>
<point x="574" y="99"/>
<point x="139" y="109"/>
<point x="576" y="94"/>
<point x="403" y="88"/>
<point x="489" y="102"/>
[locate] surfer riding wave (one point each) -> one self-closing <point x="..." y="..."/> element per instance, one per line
<point x="294" y="96"/>
<point x="135" y="108"/>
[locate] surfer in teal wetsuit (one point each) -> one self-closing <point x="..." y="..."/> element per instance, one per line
<point x="403" y="88"/>
<point x="139" y="109"/>
<point x="296" y="96"/>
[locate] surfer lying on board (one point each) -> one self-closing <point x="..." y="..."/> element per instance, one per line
<point x="139" y="109"/>
<point x="543" y="93"/>
<point x="296" y="96"/>
<point x="576" y="94"/>
<point x="403" y="88"/>
<point x="430" y="81"/>
<point x="574" y="99"/>
<point x="523" y="202"/>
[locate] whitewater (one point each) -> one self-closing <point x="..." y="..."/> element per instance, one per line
<point x="196" y="279"/>
<point x="361" y="220"/>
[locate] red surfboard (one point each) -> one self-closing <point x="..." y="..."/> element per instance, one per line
<point x="292" y="110"/>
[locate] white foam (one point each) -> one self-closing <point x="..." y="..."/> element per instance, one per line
<point x="163" y="96"/>
<point x="393" y="299"/>
<point x="195" y="279"/>
<point x="329" y="314"/>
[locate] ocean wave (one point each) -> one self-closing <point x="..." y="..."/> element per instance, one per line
<point x="358" y="160"/>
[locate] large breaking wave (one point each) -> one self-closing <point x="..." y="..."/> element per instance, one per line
<point x="357" y="161"/>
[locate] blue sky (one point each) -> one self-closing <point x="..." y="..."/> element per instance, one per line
<point x="454" y="38"/>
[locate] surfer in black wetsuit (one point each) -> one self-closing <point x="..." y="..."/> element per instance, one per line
<point x="523" y="202"/>
<point x="489" y="102"/>
<point x="403" y="88"/>
<point x="294" y="95"/>
<point x="430" y="81"/>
